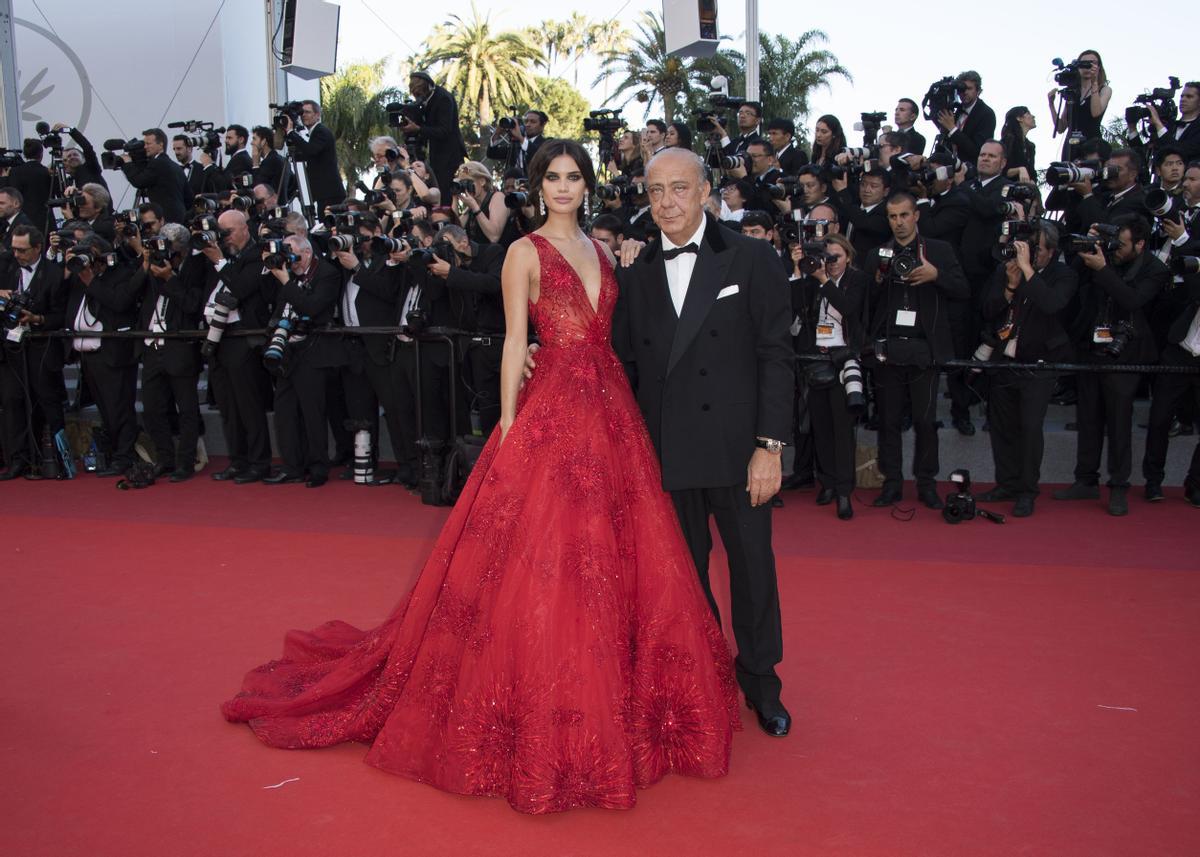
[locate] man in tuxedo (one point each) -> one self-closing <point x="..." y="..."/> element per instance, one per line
<point x="31" y="374"/>
<point x="193" y="171"/>
<point x="439" y="129"/>
<point x="701" y="324"/>
<point x="158" y="177"/>
<point x="905" y="116"/>
<point x="32" y="179"/>
<point x="172" y="291"/>
<point x="863" y="214"/>
<point x="81" y="162"/>
<point x="314" y="145"/>
<point x="782" y="135"/>
<point x="269" y="166"/>
<point x="528" y="137"/>
<point x="92" y="205"/>
<point x="909" y="316"/>
<point x="749" y="115"/>
<point x="102" y="298"/>
<point x="238" y="161"/>
<point x="11" y="215"/>
<point x="240" y="383"/>
<point x="973" y="124"/>
<point x="1184" y="133"/>
<point x="945" y="209"/>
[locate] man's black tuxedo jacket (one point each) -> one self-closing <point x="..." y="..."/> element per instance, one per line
<point x="977" y="130"/>
<point x="914" y="141"/>
<point x="32" y="179"/>
<point x="196" y="177"/>
<point x="48" y="294"/>
<point x="163" y="182"/>
<point x="1040" y="335"/>
<point x="270" y="171"/>
<point x="182" y="310"/>
<point x="440" y="129"/>
<point x="319" y="154"/>
<point x="932" y="297"/>
<point x="721" y="374"/>
<point x="741" y="143"/>
<point x="1103" y="208"/>
<point x="381" y="290"/>
<point x="318" y="300"/>
<point x="792" y="159"/>
<point x="945" y="218"/>
<point x="870" y="227"/>
<point x="1127" y="292"/>
<point x="982" y="231"/>
<point x="481" y="281"/>
<point x="18" y="219"/>
<point x="112" y="298"/>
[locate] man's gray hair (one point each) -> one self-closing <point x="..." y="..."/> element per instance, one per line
<point x="390" y="142"/>
<point x="177" y="234"/>
<point x="452" y="231"/>
<point x="99" y="194"/>
<point x="691" y="157"/>
<point x="296" y="223"/>
<point x="299" y="243"/>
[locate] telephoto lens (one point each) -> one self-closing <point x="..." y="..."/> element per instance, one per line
<point x="364" y="471"/>
<point x="341" y="244"/>
<point x="223" y="304"/>
<point x="851" y="378"/>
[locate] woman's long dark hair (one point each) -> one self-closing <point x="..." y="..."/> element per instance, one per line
<point x="1012" y="133"/>
<point x="835" y="145"/>
<point x="540" y="163"/>
<point x="684" y="133"/>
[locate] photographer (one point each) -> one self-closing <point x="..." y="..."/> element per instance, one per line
<point x="1020" y="310"/>
<point x="92" y="205"/>
<point x="313" y="144"/>
<point x="239" y="161"/>
<point x="240" y="383"/>
<point x="608" y="229"/>
<point x="1081" y="115"/>
<point x="158" y="177"/>
<point x="171" y="284"/>
<point x="814" y="188"/>
<point x="749" y="115"/>
<point x="865" y="218"/>
<point x="1184" y="132"/>
<point x="439" y="127"/>
<point x="766" y="174"/>
<point x="11" y="215"/>
<point x="914" y="279"/>
<point x="829" y="302"/>
<point x="946" y="208"/>
<point x="309" y="289"/>
<point x="193" y="171"/>
<point x="1115" y="286"/>
<point x="828" y="141"/>
<point x="268" y="165"/>
<point x="974" y="123"/>
<point x="81" y="163"/>
<point x="534" y="128"/>
<point x="905" y="116"/>
<point x="105" y="298"/>
<point x="761" y="225"/>
<point x="628" y="160"/>
<point x="782" y="135"/>
<point x="488" y="218"/>
<point x="31" y="369"/>
<point x="32" y="179"/>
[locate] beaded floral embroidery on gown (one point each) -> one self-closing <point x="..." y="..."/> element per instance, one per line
<point x="557" y="649"/>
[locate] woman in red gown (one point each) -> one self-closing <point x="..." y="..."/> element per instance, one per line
<point x="557" y="648"/>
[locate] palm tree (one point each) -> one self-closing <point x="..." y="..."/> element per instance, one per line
<point x="484" y="69"/>
<point x="569" y="41"/>
<point x="789" y="71"/>
<point x="352" y="107"/>
<point x="648" y="73"/>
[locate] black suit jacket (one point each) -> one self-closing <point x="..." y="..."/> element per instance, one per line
<point x="849" y="298"/>
<point x="1186" y="302"/>
<point x="48" y="296"/>
<point x="270" y="171"/>
<point x="316" y="298"/>
<point x="1036" y="304"/>
<point x="524" y="157"/>
<point x="32" y="179"/>
<point x="440" y="129"/>
<point x="381" y="290"/>
<point x="982" y="231"/>
<point x="741" y="143"/>
<point x="182" y="310"/>
<point x="319" y="154"/>
<point x="977" y="130"/>
<point x="197" y="180"/>
<point x="931" y="298"/>
<point x="255" y="292"/>
<point x="1112" y="295"/>
<point x="721" y="373"/>
<point x="945" y="217"/>
<point x="914" y="141"/>
<point x="112" y="298"/>
<point x="163" y="182"/>
<point x="792" y="159"/>
<point x="480" y="283"/>
<point x="18" y="219"/>
<point x="90" y="171"/>
<point x="870" y="227"/>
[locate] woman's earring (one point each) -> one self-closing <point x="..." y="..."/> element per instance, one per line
<point x="587" y="206"/>
<point x="542" y="205"/>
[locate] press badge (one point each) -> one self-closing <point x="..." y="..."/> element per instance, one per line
<point x="906" y="318"/>
<point x="824" y="331"/>
<point x="1102" y="334"/>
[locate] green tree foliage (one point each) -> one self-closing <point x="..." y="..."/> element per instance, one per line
<point x="352" y="107"/>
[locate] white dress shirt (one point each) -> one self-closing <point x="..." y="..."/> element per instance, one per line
<point x="84" y="320"/>
<point x="27" y="276"/>
<point x="679" y="269"/>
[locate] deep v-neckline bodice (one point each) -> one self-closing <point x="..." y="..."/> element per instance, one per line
<point x="594" y="307"/>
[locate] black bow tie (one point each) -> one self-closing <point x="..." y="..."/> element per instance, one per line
<point x="686" y="248"/>
<point x="27" y="268"/>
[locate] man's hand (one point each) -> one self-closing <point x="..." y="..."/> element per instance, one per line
<point x="1174" y="229"/>
<point x="162" y="272"/>
<point x="630" y="248"/>
<point x="347" y="259"/>
<point x="28" y="318"/>
<point x="764" y="475"/>
<point x="1155" y="120"/>
<point x="1024" y="258"/>
<point x="5" y="293"/>
<point x="409" y="127"/>
<point x="530" y="363"/>
<point x="281" y="274"/>
<point x="126" y="157"/>
<point x="58" y="126"/>
<point x="1012" y="274"/>
<point x="925" y="273"/>
<point x="1094" y="259"/>
<point x="840" y="184"/>
<point x="946" y="120"/>
<point x="440" y="268"/>
<point x="213" y="253"/>
<point x="400" y="256"/>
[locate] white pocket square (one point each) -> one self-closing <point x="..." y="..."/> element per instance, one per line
<point x="727" y="291"/>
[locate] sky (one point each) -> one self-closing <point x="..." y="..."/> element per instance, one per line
<point x="892" y="52"/>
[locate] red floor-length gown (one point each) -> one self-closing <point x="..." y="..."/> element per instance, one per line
<point x="557" y="649"/>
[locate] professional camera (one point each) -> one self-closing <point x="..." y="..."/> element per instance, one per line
<point x="12" y="306"/>
<point x="375" y="197"/>
<point x="1062" y="173"/>
<point x="1162" y="99"/>
<point x="1022" y="193"/>
<point x="11" y="158"/>
<point x="620" y="187"/>
<point x="205" y="232"/>
<point x="1108" y="239"/>
<point x="1120" y="334"/>
<point x="279" y="255"/>
<point x="517" y="199"/>
<point x="944" y="94"/>
<point x="707" y="120"/>
<point x="160" y="250"/>
<point x="1067" y="76"/>
<point x="443" y="250"/>
<point x="223" y="304"/>
<point x="462" y="186"/>
<point x="285" y="112"/>
<point x="342" y="243"/>
<point x="929" y="174"/>
<point x="1185" y="265"/>
<point x="80" y="261"/>
<point x="200" y="135"/>
<point x="342" y="218"/>
<point x="960" y="505"/>
<point x="136" y="149"/>
<point x="722" y="101"/>
<point x="398" y="111"/>
<point x="717" y="161"/>
<point x="810" y="234"/>
<point x="288" y="326"/>
<point x="127" y="223"/>
<point x="66" y="239"/>
<point x="607" y="123"/>
<point x="1015" y="230"/>
<point x="387" y="244"/>
<point x="1163" y="205"/>
<point x="870" y="125"/>
<point x="52" y="140"/>
<point x="897" y="264"/>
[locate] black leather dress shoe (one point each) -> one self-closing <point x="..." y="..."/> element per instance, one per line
<point x="14" y="472"/>
<point x="965" y="427"/>
<point x="777" y="723"/>
<point x="226" y="475"/>
<point x="248" y="476"/>
<point x="888" y="497"/>
<point x="1023" y="508"/>
<point x="1154" y="492"/>
<point x="825" y="497"/>
<point x="182" y="474"/>
<point x="283" y="477"/>
<point x="996" y="495"/>
<point x="316" y="481"/>
<point x="161" y="470"/>
<point x="845" y="510"/>
<point x="346" y="474"/>
<point x="1191" y="493"/>
<point x="930" y="498"/>
<point x="797" y="483"/>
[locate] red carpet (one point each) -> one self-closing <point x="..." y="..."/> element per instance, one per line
<point x="1032" y="688"/>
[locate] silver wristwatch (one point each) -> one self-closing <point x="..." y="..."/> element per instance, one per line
<point x="769" y="444"/>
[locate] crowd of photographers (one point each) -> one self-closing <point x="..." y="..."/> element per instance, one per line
<point x="903" y="253"/>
